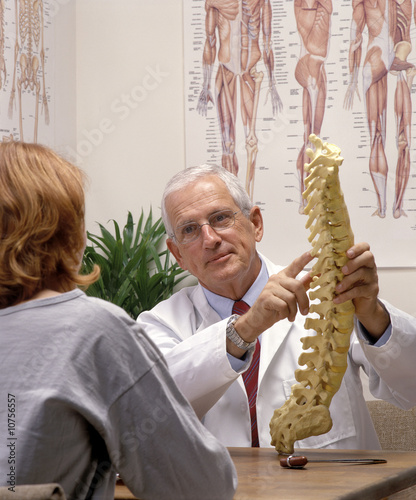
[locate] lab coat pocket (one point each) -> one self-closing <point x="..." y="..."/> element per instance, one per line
<point x="342" y="419"/>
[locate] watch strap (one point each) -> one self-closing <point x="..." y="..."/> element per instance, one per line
<point x="233" y="335"/>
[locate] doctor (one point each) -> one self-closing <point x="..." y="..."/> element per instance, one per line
<point x="213" y="229"/>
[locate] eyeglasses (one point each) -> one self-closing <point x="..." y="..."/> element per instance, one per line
<point x="186" y="233"/>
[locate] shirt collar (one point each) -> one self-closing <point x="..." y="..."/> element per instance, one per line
<point x="223" y="306"/>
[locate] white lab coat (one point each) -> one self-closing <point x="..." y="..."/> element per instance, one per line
<point x="192" y="337"/>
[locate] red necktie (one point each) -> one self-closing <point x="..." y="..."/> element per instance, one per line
<point x="250" y="377"/>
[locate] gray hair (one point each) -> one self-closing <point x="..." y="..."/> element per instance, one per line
<point x="192" y="174"/>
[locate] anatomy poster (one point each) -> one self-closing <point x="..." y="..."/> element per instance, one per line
<point x="26" y="71"/>
<point x="261" y="76"/>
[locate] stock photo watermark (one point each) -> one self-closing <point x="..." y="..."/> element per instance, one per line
<point x="11" y="441"/>
<point x="121" y="107"/>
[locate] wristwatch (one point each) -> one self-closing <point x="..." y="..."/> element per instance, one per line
<point x="232" y="334"/>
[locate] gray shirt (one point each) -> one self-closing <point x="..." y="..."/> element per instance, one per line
<point x="85" y="394"/>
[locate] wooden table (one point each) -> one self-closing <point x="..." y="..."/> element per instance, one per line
<point x="261" y="476"/>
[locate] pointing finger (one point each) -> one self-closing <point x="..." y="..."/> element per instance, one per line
<point x="298" y="265"/>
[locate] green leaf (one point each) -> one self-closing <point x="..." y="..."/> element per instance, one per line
<point x="136" y="267"/>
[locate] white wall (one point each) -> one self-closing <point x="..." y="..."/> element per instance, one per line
<point x="63" y="17"/>
<point x="398" y="286"/>
<point x="130" y="124"/>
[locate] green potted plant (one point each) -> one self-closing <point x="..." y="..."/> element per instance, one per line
<point x="136" y="267"/>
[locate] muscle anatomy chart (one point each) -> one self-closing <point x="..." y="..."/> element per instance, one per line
<point x="24" y="51"/>
<point x="389" y="44"/>
<point x="313" y="21"/>
<point x="286" y="69"/>
<point x="234" y="27"/>
<point x="2" y="60"/>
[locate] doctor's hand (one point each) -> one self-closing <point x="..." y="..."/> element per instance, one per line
<point x="360" y="284"/>
<point x="281" y="298"/>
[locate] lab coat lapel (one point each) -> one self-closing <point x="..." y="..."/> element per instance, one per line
<point x="206" y="314"/>
<point x="271" y="341"/>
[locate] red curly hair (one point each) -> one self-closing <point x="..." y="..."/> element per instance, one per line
<point x="42" y="233"/>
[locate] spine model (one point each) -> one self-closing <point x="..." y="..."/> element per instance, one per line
<point x="306" y="412"/>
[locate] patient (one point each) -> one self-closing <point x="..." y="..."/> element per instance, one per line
<point x="84" y="392"/>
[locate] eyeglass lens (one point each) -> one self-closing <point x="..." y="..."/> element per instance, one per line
<point x="218" y="221"/>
